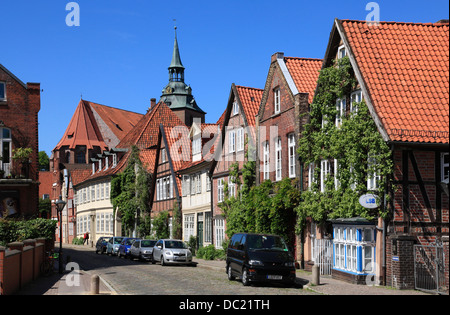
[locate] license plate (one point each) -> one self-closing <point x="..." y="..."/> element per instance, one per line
<point x="179" y="258"/>
<point x="274" y="277"/>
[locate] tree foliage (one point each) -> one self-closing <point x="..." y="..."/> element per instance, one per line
<point x="130" y="193"/>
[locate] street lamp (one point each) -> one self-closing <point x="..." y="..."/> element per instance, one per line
<point x="60" y="204"/>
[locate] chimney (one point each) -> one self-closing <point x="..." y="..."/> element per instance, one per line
<point x="152" y="103"/>
<point x="278" y="55"/>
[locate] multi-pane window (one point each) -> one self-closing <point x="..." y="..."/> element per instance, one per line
<point x="372" y="177"/>
<point x="324" y="171"/>
<point x="291" y="144"/>
<point x="197" y="145"/>
<point x="354" y="248"/>
<point x="231" y="141"/>
<point x="188" y="226"/>
<point x="276" y="97"/>
<point x="219" y="226"/>
<point x="278" y="158"/>
<point x="355" y="98"/>
<point x="231" y="186"/>
<point x="240" y="139"/>
<point x="340" y="111"/>
<point x="266" y="159"/>
<point x="164" y="188"/>
<point x="337" y="184"/>
<point x="220" y="193"/>
<point x="185" y="185"/>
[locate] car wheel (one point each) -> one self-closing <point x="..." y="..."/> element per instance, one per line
<point x="230" y="275"/>
<point x="163" y="263"/>
<point x="245" y="280"/>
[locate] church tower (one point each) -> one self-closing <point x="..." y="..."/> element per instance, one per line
<point x="177" y="94"/>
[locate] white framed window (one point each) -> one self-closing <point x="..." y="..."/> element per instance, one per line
<point x="324" y="171"/>
<point x="235" y="108"/>
<point x="208" y="182"/>
<point x="266" y="159"/>
<point x="193" y="184"/>
<point x="231" y="141"/>
<point x="342" y="52"/>
<point x="199" y="183"/>
<point x="197" y="145"/>
<point x="278" y="159"/>
<point x="158" y="190"/>
<point x="220" y="190"/>
<point x="2" y="91"/>
<point x="291" y="144"/>
<point x="311" y="175"/>
<point x="219" y="227"/>
<point x="231" y="187"/>
<point x="276" y="100"/>
<point x="114" y="160"/>
<point x="188" y="226"/>
<point x="355" y="98"/>
<point x="240" y="139"/>
<point x="444" y="166"/>
<point x="372" y="177"/>
<point x="337" y="184"/>
<point x="340" y="111"/>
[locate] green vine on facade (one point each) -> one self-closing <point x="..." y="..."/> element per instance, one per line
<point x="353" y="151"/>
<point x="130" y="195"/>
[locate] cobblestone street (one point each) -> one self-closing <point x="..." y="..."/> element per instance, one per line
<point x="135" y="277"/>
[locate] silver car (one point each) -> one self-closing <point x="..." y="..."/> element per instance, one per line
<point x="142" y="249"/>
<point x="168" y="251"/>
<point x="112" y="247"/>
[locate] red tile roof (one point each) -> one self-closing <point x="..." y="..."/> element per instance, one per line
<point x="304" y="72"/>
<point x="405" y="67"/>
<point x="250" y="100"/>
<point x="97" y="125"/>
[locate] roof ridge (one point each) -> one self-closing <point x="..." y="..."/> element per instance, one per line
<point x="396" y="22"/>
<point x="248" y="87"/>
<point x="126" y="110"/>
<point x="305" y="58"/>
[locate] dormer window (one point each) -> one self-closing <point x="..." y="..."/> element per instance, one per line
<point x="276" y="99"/>
<point x="197" y="145"/>
<point x="2" y="91"/>
<point x="114" y="160"/>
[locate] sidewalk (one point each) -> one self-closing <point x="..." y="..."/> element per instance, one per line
<point x="64" y="284"/>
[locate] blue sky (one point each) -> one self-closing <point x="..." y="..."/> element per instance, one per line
<point x="119" y="54"/>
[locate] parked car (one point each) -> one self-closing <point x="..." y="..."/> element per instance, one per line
<point x="100" y="246"/>
<point x="112" y="247"/>
<point x="125" y="246"/>
<point x="142" y="249"/>
<point x="169" y="251"/>
<point x="259" y="257"/>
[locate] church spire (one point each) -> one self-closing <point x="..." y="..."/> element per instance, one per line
<point x="176" y="69"/>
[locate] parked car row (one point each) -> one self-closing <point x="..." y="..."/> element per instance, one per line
<point x="250" y="257"/>
<point x="165" y="251"/>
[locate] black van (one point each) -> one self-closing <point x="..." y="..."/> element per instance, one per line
<point x="259" y="257"/>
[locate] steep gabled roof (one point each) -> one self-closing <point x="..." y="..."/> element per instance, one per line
<point x="250" y="99"/>
<point x="304" y="72"/>
<point x="97" y="125"/>
<point x="404" y="70"/>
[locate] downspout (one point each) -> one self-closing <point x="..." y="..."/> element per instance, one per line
<point x="302" y="238"/>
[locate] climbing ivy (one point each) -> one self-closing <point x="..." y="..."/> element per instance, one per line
<point x="130" y="193"/>
<point x="351" y="144"/>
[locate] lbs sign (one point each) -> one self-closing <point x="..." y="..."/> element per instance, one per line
<point x="368" y="201"/>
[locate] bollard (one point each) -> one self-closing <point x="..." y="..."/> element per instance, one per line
<point x="315" y="275"/>
<point x="95" y="284"/>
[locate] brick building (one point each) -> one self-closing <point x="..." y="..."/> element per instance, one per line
<point x="288" y="91"/>
<point x="19" y="179"/>
<point x="402" y="71"/>
<point x="238" y="137"/>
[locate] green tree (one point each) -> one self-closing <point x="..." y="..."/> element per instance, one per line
<point x="130" y="193"/>
<point x="161" y="225"/>
<point x="44" y="161"/>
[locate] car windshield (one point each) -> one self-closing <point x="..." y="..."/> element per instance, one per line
<point x="118" y="240"/>
<point x="148" y="243"/>
<point x="175" y="244"/>
<point x="266" y="242"/>
<point x="129" y="241"/>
